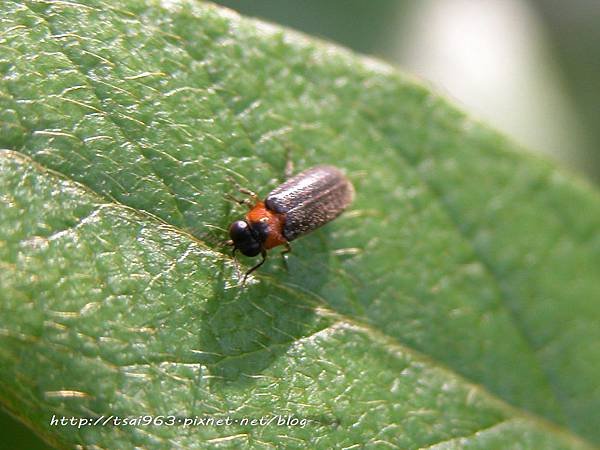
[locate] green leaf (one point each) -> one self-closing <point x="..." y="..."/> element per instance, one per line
<point x="454" y="306"/>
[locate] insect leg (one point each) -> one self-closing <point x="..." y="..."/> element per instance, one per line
<point x="263" y="253"/>
<point x="288" y="249"/>
<point x="248" y="192"/>
<point x="245" y="201"/>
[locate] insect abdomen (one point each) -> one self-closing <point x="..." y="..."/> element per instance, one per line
<point x="310" y="199"/>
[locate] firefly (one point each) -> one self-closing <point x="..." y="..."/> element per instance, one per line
<point x="302" y="204"/>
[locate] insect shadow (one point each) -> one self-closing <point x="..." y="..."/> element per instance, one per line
<point x="250" y="328"/>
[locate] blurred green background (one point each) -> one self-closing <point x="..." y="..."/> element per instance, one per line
<point x="529" y="68"/>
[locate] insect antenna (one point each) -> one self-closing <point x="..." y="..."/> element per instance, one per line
<point x="263" y="253"/>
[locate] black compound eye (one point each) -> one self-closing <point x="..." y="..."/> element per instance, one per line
<point x="239" y="231"/>
<point x="243" y="238"/>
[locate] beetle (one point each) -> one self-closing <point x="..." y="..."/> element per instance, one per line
<point x="300" y="205"/>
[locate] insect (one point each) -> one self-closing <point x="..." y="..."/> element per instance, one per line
<point x="300" y="205"/>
